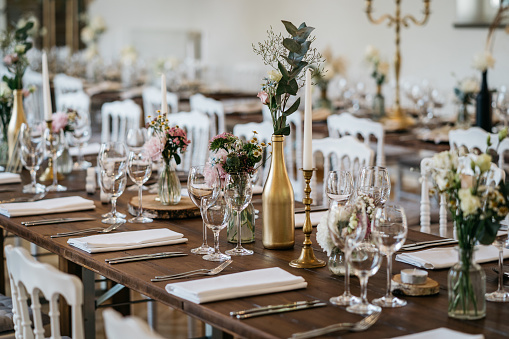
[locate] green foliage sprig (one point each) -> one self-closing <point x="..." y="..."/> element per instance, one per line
<point x="14" y="46"/>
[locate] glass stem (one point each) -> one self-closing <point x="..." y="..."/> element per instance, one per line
<point x="114" y="207"/>
<point x="55" y="169"/>
<point x="80" y="155"/>
<point x="501" y="269"/>
<point x="33" y="174"/>
<point x="239" y="219"/>
<point x="216" y="242"/>
<point x="140" y="211"/>
<point x="388" y="293"/>
<point x="204" y="235"/>
<point x="364" y="289"/>
<point x="347" y="272"/>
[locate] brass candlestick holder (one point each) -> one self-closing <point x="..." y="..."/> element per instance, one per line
<point x="398" y="117"/>
<point x="307" y="257"/>
<point x="51" y="173"/>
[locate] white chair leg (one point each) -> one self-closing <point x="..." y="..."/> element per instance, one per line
<point x="152" y="314"/>
<point x="34" y="250"/>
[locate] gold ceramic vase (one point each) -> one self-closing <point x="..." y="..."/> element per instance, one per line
<point x="278" y="202"/>
<point x="17" y="118"/>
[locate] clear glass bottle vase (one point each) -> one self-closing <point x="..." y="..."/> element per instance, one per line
<point x="247" y="228"/>
<point x="467" y="287"/>
<point x="336" y="262"/>
<point x="169" y="188"/>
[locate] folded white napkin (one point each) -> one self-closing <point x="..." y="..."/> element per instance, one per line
<point x="442" y="333"/>
<point x="127" y="240"/>
<point x="315" y="218"/>
<point x="46" y="206"/>
<point x="445" y="257"/>
<point x="9" y="178"/>
<point x="236" y="285"/>
<point x="89" y="149"/>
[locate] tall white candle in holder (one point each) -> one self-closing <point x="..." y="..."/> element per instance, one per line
<point x="164" y="104"/>
<point x="308" y="131"/>
<point x="46" y="93"/>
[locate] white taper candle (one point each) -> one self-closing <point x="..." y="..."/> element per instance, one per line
<point x="46" y="93"/>
<point x="308" y="130"/>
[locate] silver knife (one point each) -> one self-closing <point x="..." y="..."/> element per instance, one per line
<point x="426" y="242"/>
<point x="272" y="307"/>
<point x="418" y="247"/>
<point x="119" y="261"/>
<point x="54" y="221"/>
<point x="139" y="256"/>
<point x="280" y="310"/>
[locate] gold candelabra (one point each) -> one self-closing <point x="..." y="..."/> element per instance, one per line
<point x="307" y="257"/>
<point x="398" y="118"/>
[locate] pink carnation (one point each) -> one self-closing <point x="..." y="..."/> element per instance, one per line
<point x="154" y="148"/>
<point x="59" y="122"/>
<point x="264" y="97"/>
<point x="210" y="172"/>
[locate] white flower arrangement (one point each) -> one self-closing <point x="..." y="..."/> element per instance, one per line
<point x="483" y="61"/>
<point x="380" y="68"/>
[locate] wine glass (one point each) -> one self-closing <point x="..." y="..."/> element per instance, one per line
<point x="113" y="176"/>
<point x="388" y="231"/>
<point x="202" y="182"/>
<point x="32" y="154"/>
<point x="80" y="134"/>
<point x="500" y="295"/>
<point x="365" y="261"/>
<point x="238" y="194"/>
<point x="339" y="186"/>
<point x="139" y="167"/>
<point x="346" y="239"/>
<point x="374" y="182"/>
<point x="215" y="213"/>
<point x="55" y="143"/>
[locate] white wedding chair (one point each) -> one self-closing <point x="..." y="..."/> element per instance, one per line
<point x="346" y="124"/>
<point x="28" y="279"/>
<point x="78" y="101"/>
<point x="346" y="153"/>
<point x="65" y="84"/>
<point x="213" y="108"/>
<point x="497" y="176"/>
<point x="152" y="101"/>
<point x="197" y="126"/>
<point x="293" y="149"/>
<point x="473" y="139"/>
<point x="264" y="130"/>
<point x="118" y="327"/>
<point x="117" y="118"/>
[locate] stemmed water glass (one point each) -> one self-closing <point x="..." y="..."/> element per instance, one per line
<point x="500" y="295"/>
<point x="346" y="239"/>
<point x="55" y="143"/>
<point x="139" y="166"/>
<point x="365" y="261"/>
<point x="201" y="183"/>
<point x="80" y="134"/>
<point x="339" y="186"/>
<point x="373" y="181"/>
<point x="388" y="231"/>
<point x="215" y="213"/>
<point x="113" y="176"/>
<point x="135" y="140"/>
<point x="238" y="194"/>
<point x="32" y="154"/>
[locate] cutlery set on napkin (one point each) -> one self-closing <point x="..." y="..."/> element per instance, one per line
<point x="47" y="206"/>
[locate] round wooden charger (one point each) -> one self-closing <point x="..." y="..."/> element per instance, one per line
<point x="184" y="209"/>
<point x="430" y="287"/>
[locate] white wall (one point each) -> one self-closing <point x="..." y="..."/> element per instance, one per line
<point x="229" y="27"/>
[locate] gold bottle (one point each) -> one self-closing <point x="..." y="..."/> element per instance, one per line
<point x="278" y="202"/>
<point x="17" y="118"/>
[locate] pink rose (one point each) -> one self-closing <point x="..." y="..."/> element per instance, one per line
<point x="59" y="122"/>
<point x="264" y="97"/>
<point x="9" y="59"/>
<point x="154" y="148"/>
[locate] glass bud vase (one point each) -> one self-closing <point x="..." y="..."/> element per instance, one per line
<point x="336" y="263"/>
<point x="247" y="231"/>
<point x="467" y="287"/>
<point x="378" y="104"/>
<point x="463" y="119"/>
<point x="64" y="161"/>
<point x="169" y="188"/>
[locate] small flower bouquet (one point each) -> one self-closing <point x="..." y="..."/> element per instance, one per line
<point x="14" y="46"/>
<point x="64" y="121"/>
<point x="466" y="90"/>
<point x="167" y="143"/>
<point x="380" y="68"/>
<point x="288" y="56"/>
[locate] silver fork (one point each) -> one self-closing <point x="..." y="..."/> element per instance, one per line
<point x="362" y="325"/>
<point x="90" y="230"/>
<point x="36" y="197"/>
<point x="202" y="271"/>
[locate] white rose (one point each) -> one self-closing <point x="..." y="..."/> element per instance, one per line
<point x="87" y="35"/>
<point x="372" y="54"/>
<point x="483" y="61"/>
<point x="469" y="85"/>
<point x="323" y="236"/>
<point x="469" y="204"/>
<point x="483" y="162"/>
<point x="383" y="68"/>
<point x="5" y="91"/>
<point x="445" y="160"/>
<point x="20" y="49"/>
<point x="274" y="75"/>
<point x="98" y="24"/>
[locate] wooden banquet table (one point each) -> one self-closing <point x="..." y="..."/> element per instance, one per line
<point x="421" y="313"/>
